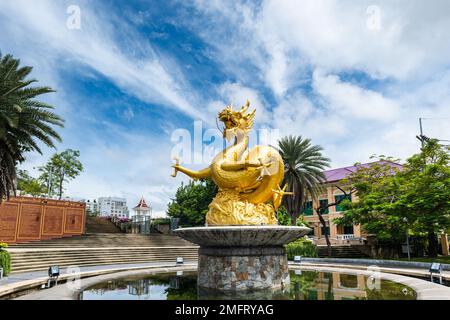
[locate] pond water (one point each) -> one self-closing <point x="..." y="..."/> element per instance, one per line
<point x="305" y="285"/>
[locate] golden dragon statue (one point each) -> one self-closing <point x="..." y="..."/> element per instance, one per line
<point x="248" y="179"/>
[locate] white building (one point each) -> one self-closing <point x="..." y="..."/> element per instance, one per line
<point x="92" y="206"/>
<point x="113" y="206"/>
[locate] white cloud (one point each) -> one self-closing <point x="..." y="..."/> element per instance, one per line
<point x="282" y="37"/>
<point x="289" y="45"/>
<point x="333" y="35"/>
<point x="151" y="78"/>
<point x="287" y="57"/>
<point x="348" y="100"/>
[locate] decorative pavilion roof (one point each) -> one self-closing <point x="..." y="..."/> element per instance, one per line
<point x="142" y="205"/>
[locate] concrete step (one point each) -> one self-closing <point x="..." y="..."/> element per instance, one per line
<point x="344" y="251"/>
<point x="89" y="252"/>
<point x="43" y="266"/>
<point x="96" y="224"/>
<point x="90" y="249"/>
<point x="32" y="259"/>
<point x="98" y="259"/>
<point x="43" y="260"/>
<point x="100" y="241"/>
<point x="92" y="259"/>
<point x="100" y="249"/>
<point x="96" y="263"/>
<point x="87" y="245"/>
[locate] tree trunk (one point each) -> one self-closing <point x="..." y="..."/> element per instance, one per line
<point x="294" y="219"/>
<point x="61" y="186"/>
<point x="327" y="239"/>
<point x="293" y="206"/>
<point x="432" y="242"/>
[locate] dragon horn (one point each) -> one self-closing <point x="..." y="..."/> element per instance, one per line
<point x="245" y="107"/>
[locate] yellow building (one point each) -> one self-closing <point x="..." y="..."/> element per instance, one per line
<point x="338" y="234"/>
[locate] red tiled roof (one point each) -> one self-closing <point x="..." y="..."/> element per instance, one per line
<point x="141" y="204"/>
<point x="340" y="173"/>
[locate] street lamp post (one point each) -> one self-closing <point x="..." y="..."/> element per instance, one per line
<point x="407" y="238"/>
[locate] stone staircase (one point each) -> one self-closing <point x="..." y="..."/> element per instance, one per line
<point x="102" y="240"/>
<point x="340" y="251"/>
<point x="100" y="225"/>
<point x="100" y="249"/>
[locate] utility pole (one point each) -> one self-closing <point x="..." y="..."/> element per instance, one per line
<point x="421" y="137"/>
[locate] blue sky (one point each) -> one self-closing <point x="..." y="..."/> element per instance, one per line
<point x="352" y="76"/>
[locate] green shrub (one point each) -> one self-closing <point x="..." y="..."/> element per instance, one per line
<point x="161" y="221"/>
<point x="301" y="247"/>
<point x="5" y="259"/>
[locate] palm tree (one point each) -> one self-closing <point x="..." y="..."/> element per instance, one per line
<point x="303" y="171"/>
<point x="23" y="120"/>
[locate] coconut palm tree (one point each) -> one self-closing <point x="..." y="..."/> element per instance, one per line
<point x="24" y="121"/>
<point x="303" y="171"/>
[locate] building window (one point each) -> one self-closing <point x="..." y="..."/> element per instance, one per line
<point x="325" y="231"/>
<point x="338" y="198"/>
<point x="308" y="208"/>
<point x="348" y="229"/>
<point x="324" y="203"/>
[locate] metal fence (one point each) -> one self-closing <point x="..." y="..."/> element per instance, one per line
<point x="141" y="224"/>
<point x="145" y="225"/>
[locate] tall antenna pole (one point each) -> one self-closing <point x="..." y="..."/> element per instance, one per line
<point x="421" y="131"/>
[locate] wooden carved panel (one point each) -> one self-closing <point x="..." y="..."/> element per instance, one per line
<point x="53" y="221"/>
<point x="8" y="221"/>
<point x="74" y="220"/>
<point x="30" y="221"/>
<point x="25" y="219"/>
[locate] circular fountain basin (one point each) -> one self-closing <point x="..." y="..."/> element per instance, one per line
<point x="242" y="258"/>
<point x="305" y="285"/>
<point x="242" y="236"/>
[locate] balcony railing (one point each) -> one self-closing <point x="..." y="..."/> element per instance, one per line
<point x="345" y="236"/>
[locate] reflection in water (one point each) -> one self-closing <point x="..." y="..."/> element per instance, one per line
<point x="305" y="285"/>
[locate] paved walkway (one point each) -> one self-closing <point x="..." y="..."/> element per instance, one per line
<point x="28" y="280"/>
<point x="413" y="272"/>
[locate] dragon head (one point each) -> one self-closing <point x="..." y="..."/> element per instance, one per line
<point x="237" y="120"/>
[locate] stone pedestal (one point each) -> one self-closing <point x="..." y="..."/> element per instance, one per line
<point x="242" y="258"/>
